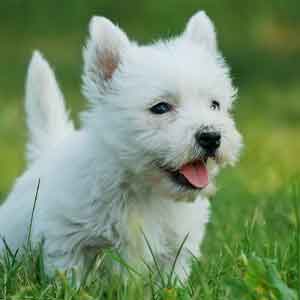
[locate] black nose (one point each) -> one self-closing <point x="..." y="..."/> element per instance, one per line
<point x="210" y="141"/>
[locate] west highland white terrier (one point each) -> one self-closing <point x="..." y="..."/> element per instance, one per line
<point x="143" y="163"/>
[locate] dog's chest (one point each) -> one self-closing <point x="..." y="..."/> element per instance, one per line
<point x="161" y="224"/>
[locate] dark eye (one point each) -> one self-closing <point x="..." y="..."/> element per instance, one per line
<point x="161" y="108"/>
<point x="215" y="105"/>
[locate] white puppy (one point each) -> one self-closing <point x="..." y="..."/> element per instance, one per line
<point x="156" y="132"/>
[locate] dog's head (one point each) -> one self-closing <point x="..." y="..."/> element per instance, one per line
<point x="164" y="107"/>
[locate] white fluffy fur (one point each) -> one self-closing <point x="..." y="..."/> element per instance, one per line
<point x="100" y="185"/>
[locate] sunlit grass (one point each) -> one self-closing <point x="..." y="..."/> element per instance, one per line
<point x="240" y="261"/>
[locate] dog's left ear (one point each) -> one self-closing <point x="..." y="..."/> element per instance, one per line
<point x="103" y="54"/>
<point x="201" y="30"/>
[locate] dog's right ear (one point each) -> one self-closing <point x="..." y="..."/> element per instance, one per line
<point x="201" y="30"/>
<point x="103" y="54"/>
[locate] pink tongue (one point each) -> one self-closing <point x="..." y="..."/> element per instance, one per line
<point x="196" y="173"/>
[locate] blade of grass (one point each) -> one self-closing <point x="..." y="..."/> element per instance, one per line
<point x="32" y="214"/>
<point x="122" y="262"/>
<point x="8" y="250"/>
<point x="154" y="259"/>
<point x="297" y="215"/>
<point x="176" y="258"/>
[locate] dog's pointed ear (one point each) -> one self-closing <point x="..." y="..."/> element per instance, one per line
<point x="201" y="30"/>
<point x="104" y="52"/>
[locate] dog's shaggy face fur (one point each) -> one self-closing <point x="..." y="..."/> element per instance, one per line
<point x="124" y="81"/>
<point x="156" y="133"/>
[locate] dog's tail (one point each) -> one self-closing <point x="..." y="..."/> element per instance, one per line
<point x="47" y="119"/>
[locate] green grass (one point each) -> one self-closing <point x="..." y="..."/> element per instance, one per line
<point x="252" y="251"/>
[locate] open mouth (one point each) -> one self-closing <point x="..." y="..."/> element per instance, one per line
<point x="193" y="175"/>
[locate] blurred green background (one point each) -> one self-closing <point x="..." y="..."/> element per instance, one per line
<point x="260" y="40"/>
